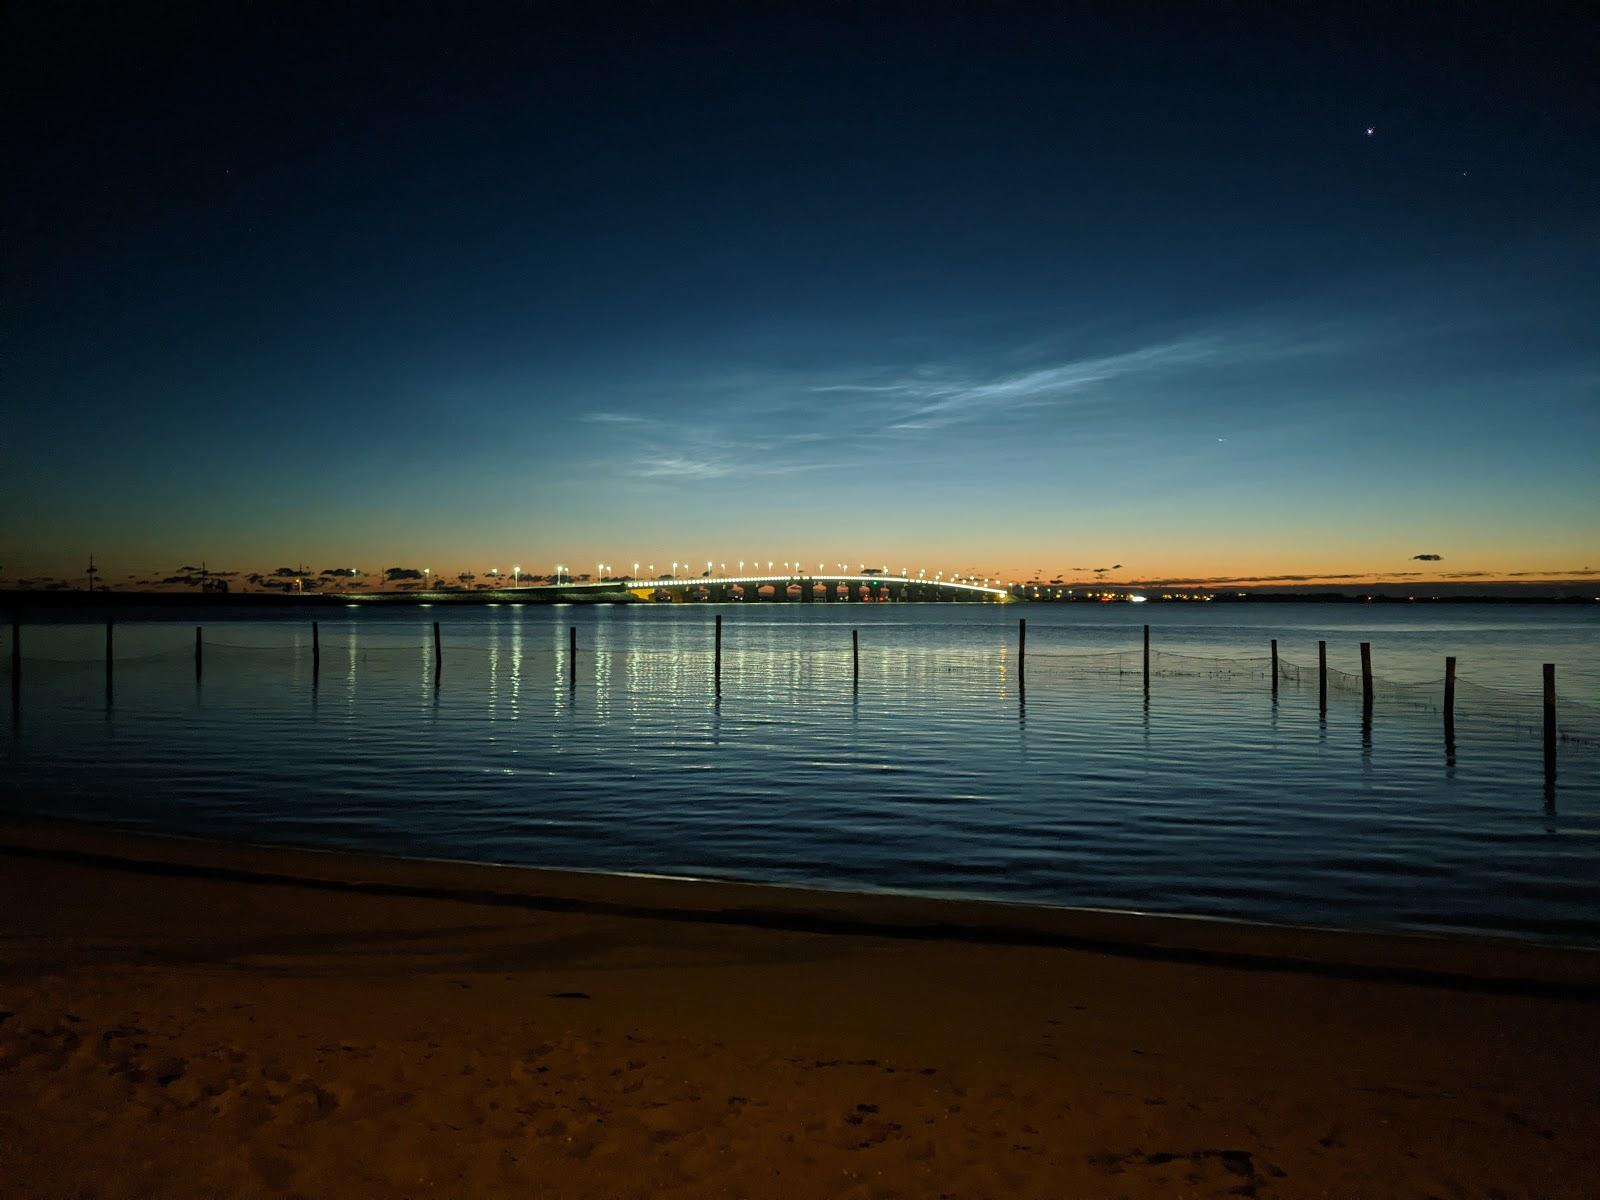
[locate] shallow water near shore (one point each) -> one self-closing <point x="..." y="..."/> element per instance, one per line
<point x="943" y="771"/>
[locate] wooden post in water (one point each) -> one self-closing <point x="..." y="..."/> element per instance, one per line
<point x="316" y="654"/>
<point x="108" y="658"/>
<point x="716" y="667"/>
<point x="438" y="655"/>
<point x="1450" y="698"/>
<point x="1274" y="668"/>
<point x="1022" y="648"/>
<point x="855" y="658"/>
<point x="1147" y="661"/>
<point x="1549" y="724"/>
<point x="572" y="657"/>
<point x="16" y="658"/>
<point x="198" y="655"/>
<point x="1366" y="678"/>
<point x="1322" y="679"/>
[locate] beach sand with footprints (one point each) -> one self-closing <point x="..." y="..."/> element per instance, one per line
<point x="185" y="1020"/>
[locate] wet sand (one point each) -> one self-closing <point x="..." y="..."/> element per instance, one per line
<point x="179" y="1019"/>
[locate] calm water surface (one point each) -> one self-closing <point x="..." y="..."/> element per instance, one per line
<point x="938" y="774"/>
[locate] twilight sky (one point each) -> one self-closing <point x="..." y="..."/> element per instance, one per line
<point x="1205" y="290"/>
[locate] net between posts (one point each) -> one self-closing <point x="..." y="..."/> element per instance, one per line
<point x="35" y="662"/>
<point x="1577" y="722"/>
<point x="1162" y="662"/>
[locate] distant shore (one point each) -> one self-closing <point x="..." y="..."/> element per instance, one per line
<point x="43" y="601"/>
<point x="184" y="1018"/>
<point x="57" y="601"/>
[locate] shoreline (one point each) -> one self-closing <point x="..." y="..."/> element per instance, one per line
<point x="1466" y="962"/>
<point x="187" y="1019"/>
<point x="29" y="604"/>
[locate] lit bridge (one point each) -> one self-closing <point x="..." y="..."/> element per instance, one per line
<point x="790" y="587"/>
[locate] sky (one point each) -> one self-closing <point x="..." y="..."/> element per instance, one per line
<point x="1207" y="291"/>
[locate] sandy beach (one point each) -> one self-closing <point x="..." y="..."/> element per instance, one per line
<point x="179" y="1019"/>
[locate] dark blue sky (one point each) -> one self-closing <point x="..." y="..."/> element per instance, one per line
<point x="982" y="286"/>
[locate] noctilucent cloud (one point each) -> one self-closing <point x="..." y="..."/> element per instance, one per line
<point x="1208" y="291"/>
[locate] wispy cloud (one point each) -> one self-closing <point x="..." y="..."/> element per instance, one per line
<point x="863" y="387"/>
<point x="780" y="423"/>
<point x="1554" y="576"/>
<point x="685" y="467"/>
<point x="934" y="404"/>
<point x="938" y="396"/>
<point x="780" y="420"/>
<point x="1171" y="366"/>
<point x="679" y="466"/>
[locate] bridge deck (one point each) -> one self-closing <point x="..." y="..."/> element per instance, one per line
<point x="785" y="581"/>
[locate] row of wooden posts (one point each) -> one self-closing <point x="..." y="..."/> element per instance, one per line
<point x="855" y="666"/>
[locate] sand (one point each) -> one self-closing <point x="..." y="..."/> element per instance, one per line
<point x="186" y="1020"/>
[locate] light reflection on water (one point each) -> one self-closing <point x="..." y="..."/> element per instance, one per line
<point x="936" y="773"/>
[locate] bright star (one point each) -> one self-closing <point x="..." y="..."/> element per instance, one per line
<point x="1371" y="131"/>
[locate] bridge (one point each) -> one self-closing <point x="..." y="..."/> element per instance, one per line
<point x="803" y="588"/>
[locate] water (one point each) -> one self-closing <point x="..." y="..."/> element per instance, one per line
<point x="937" y="775"/>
